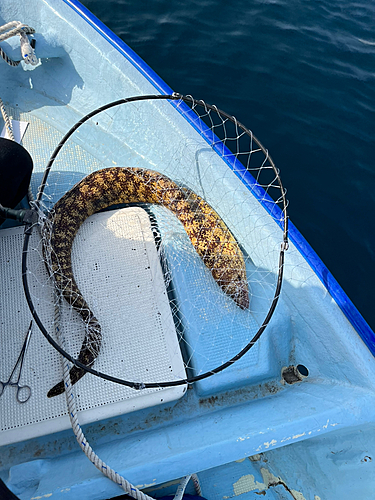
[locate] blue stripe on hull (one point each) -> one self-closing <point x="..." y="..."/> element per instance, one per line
<point x="335" y="290"/>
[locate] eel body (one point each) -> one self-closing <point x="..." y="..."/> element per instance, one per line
<point x="207" y="232"/>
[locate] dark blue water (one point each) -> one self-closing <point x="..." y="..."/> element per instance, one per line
<point x="301" y="76"/>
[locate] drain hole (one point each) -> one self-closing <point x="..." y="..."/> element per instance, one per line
<point x="303" y="370"/>
<point x="292" y="374"/>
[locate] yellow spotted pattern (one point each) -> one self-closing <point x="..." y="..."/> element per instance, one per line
<point x="207" y="232"/>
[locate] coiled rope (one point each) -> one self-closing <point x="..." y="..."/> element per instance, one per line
<point x="15" y="28"/>
<point x="81" y="439"/>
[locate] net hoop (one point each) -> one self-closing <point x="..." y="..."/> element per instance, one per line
<point x="281" y="218"/>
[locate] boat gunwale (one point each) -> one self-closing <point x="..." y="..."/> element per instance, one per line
<point x="308" y="253"/>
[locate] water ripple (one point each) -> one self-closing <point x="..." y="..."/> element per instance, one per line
<point x="301" y="75"/>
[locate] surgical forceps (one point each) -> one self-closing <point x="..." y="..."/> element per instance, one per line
<point x="23" y="391"/>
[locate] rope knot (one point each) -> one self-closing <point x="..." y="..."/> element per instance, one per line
<point x="17" y="28"/>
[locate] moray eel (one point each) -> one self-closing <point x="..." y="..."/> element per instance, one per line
<point x="207" y="232"/>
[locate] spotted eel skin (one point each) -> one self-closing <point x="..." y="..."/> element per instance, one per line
<point x="209" y="235"/>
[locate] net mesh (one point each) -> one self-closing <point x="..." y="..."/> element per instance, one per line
<point x="209" y="206"/>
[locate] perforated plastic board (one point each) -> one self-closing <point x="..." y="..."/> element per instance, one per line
<point x="117" y="269"/>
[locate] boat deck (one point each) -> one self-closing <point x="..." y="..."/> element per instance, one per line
<point x="245" y="431"/>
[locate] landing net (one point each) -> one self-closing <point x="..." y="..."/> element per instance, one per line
<point x="208" y="201"/>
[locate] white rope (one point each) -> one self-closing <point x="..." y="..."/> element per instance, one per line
<point x="8" y="123"/>
<point x="28" y="54"/>
<point x="17" y="28"/>
<point x="8" y="32"/>
<point x="197" y="484"/>
<point x="81" y="439"/>
<point x="84" y="444"/>
<point x="181" y="488"/>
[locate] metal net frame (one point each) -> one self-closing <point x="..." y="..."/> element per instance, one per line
<point x="245" y="157"/>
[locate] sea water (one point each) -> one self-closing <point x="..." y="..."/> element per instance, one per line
<point x="301" y="75"/>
